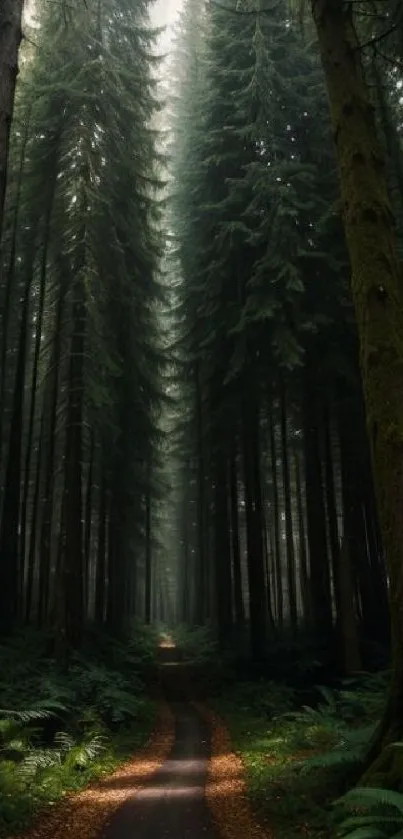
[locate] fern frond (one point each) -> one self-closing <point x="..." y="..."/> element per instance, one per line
<point x="26" y="716"/>
<point x="373" y="797"/>
<point x="64" y="741"/>
<point x="366" y="833"/>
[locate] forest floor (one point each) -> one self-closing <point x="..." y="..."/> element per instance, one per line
<point x="248" y="760"/>
<point x="184" y="782"/>
<point x="187" y="783"/>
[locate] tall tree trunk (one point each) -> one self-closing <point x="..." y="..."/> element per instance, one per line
<point x="391" y="131"/>
<point x="9" y="280"/>
<point x="10" y="39"/>
<point x="276" y="520"/>
<point x="254" y="533"/>
<point x="72" y="565"/>
<point x="101" y="554"/>
<point x="235" y="542"/>
<point x="350" y="644"/>
<point x="303" y="557"/>
<point x="292" y="595"/>
<point x="377" y="292"/>
<point x="115" y="613"/>
<point x="318" y="557"/>
<point x="201" y="558"/>
<point x="52" y="169"/>
<point x="89" y="496"/>
<point x="351" y="560"/>
<point x="10" y="565"/>
<point x="331" y="505"/>
<point x="30" y="564"/>
<point x="185" y="577"/>
<point x="222" y="550"/>
<point x="48" y="499"/>
<point x="148" y="552"/>
<point x="353" y="476"/>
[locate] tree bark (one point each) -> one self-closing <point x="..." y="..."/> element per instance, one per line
<point x="292" y="594"/>
<point x="320" y="593"/>
<point x="222" y="550"/>
<point x="235" y="542"/>
<point x="331" y="504"/>
<point x="38" y="337"/>
<point x="275" y="521"/>
<point x="200" y="604"/>
<point x="9" y="280"/>
<point x="10" y="39"/>
<point x="51" y="394"/>
<point x="88" y="535"/>
<point x="377" y="292"/>
<point x="303" y="557"/>
<point x="30" y="561"/>
<point x="72" y="566"/>
<point x="10" y="566"/>
<point x="148" y="552"/>
<point x="101" y="552"/>
<point x="254" y="530"/>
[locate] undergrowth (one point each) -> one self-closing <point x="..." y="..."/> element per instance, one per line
<point x="298" y="760"/>
<point x="61" y="727"/>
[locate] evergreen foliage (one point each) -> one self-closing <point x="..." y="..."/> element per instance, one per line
<point x="200" y="424"/>
<point x="82" y="356"/>
<point x="273" y="433"/>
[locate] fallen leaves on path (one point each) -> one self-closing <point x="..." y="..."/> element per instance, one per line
<point x="226" y="791"/>
<point x="84" y="815"/>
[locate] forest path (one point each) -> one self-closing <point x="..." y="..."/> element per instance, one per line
<point x="172" y="804"/>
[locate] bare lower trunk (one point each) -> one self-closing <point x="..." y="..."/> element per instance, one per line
<point x="292" y="594"/>
<point x="222" y="550"/>
<point x="254" y="529"/>
<point x="201" y="559"/>
<point x="235" y="542"/>
<point x="72" y="513"/>
<point x="275" y="521"/>
<point x="148" y="557"/>
<point x="10" y="567"/>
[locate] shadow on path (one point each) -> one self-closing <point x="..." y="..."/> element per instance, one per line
<point x="172" y="804"/>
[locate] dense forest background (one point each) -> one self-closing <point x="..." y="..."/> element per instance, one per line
<point x="201" y="336"/>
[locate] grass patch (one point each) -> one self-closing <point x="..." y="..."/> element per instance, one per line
<point x="298" y="762"/>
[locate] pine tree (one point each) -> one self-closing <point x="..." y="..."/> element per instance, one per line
<point x="267" y="326"/>
<point x="10" y="39"/>
<point x="83" y="360"/>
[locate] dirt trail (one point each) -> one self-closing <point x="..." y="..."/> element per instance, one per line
<point x="172" y="804"/>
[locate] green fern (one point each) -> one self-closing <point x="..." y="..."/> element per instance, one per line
<point x="374" y="797"/>
<point x="36" y="761"/>
<point x="348" y="750"/>
<point x="376" y="814"/>
<point x="64" y="741"/>
<point x="27" y="716"/>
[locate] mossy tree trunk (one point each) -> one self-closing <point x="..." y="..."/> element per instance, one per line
<point x="376" y="286"/>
